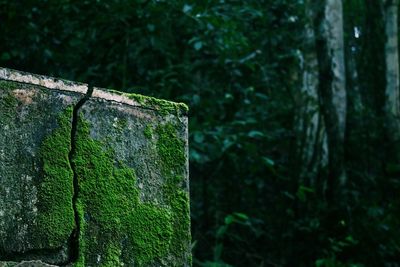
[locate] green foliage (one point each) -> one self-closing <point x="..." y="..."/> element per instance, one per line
<point x="228" y="232"/>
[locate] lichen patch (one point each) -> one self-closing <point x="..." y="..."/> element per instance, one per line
<point x="24" y="96"/>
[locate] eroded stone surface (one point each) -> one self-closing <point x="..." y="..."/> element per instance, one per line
<point x="130" y="163"/>
<point x="133" y="136"/>
<point x="28" y="113"/>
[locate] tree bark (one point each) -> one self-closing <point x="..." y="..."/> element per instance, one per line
<point x="392" y="105"/>
<point x="310" y="129"/>
<point x="328" y="25"/>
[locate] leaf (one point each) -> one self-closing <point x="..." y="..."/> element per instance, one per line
<point x="221" y="231"/>
<point x="227" y="143"/>
<point x="151" y="27"/>
<point x="302" y="192"/>
<point x="196" y="99"/>
<point x="256" y="134"/>
<point x="198" y="45"/>
<point x="351" y="240"/>
<point x="268" y="162"/>
<point x="320" y="262"/>
<point x="198" y="137"/>
<point x="228" y="96"/>
<point x="229" y="219"/>
<point x="289" y="195"/>
<point x="218" y="251"/>
<point x="187" y="8"/>
<point x="241" y="216"/>
<point x="197" y="156"/>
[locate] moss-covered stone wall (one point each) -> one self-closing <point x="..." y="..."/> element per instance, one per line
<point x="102" y="185"/>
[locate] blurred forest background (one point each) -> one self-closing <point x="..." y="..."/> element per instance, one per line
<point x="294" y="112"/>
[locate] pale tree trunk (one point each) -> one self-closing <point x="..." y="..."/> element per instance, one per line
<point x="392" y="105"/>
<point x="332" y="86"/>
<point x="335" y="40"/>
<point x="310" y="130"/>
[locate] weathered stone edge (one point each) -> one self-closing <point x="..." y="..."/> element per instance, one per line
<point x="142" y="101"/>
<point x="41" y="80"/>
<point x="134" y="100"/>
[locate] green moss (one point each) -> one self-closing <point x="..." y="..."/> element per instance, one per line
<point x="151" y="232"/>
<point x="179" y="203"/>
<point x="163" y="106"/>
<point x="171" y="150"/>
<point x="8" y="102"/>
<point x="55" y="211"/>
<point x="121" y="124"/>
<point x="82" y="243"/>
<point x="148" y="131"/>
<point x="9" y="85"/>
<point x="112" y="257"/>
<point x="190" y="260"/>
<point x="111" y="204"/>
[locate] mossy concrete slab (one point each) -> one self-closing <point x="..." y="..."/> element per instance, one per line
<point x="150" y="142"/>
<point x="106" y="187"/>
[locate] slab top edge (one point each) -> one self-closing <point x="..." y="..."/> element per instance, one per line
<point x="135" y="100"/>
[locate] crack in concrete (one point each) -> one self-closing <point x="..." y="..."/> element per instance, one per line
<point x="74" y="237"/>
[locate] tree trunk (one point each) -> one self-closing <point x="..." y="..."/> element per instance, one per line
<point x="392" y="105"/>
<point x="310" y="130"/>
<point x="332" y="86"/>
